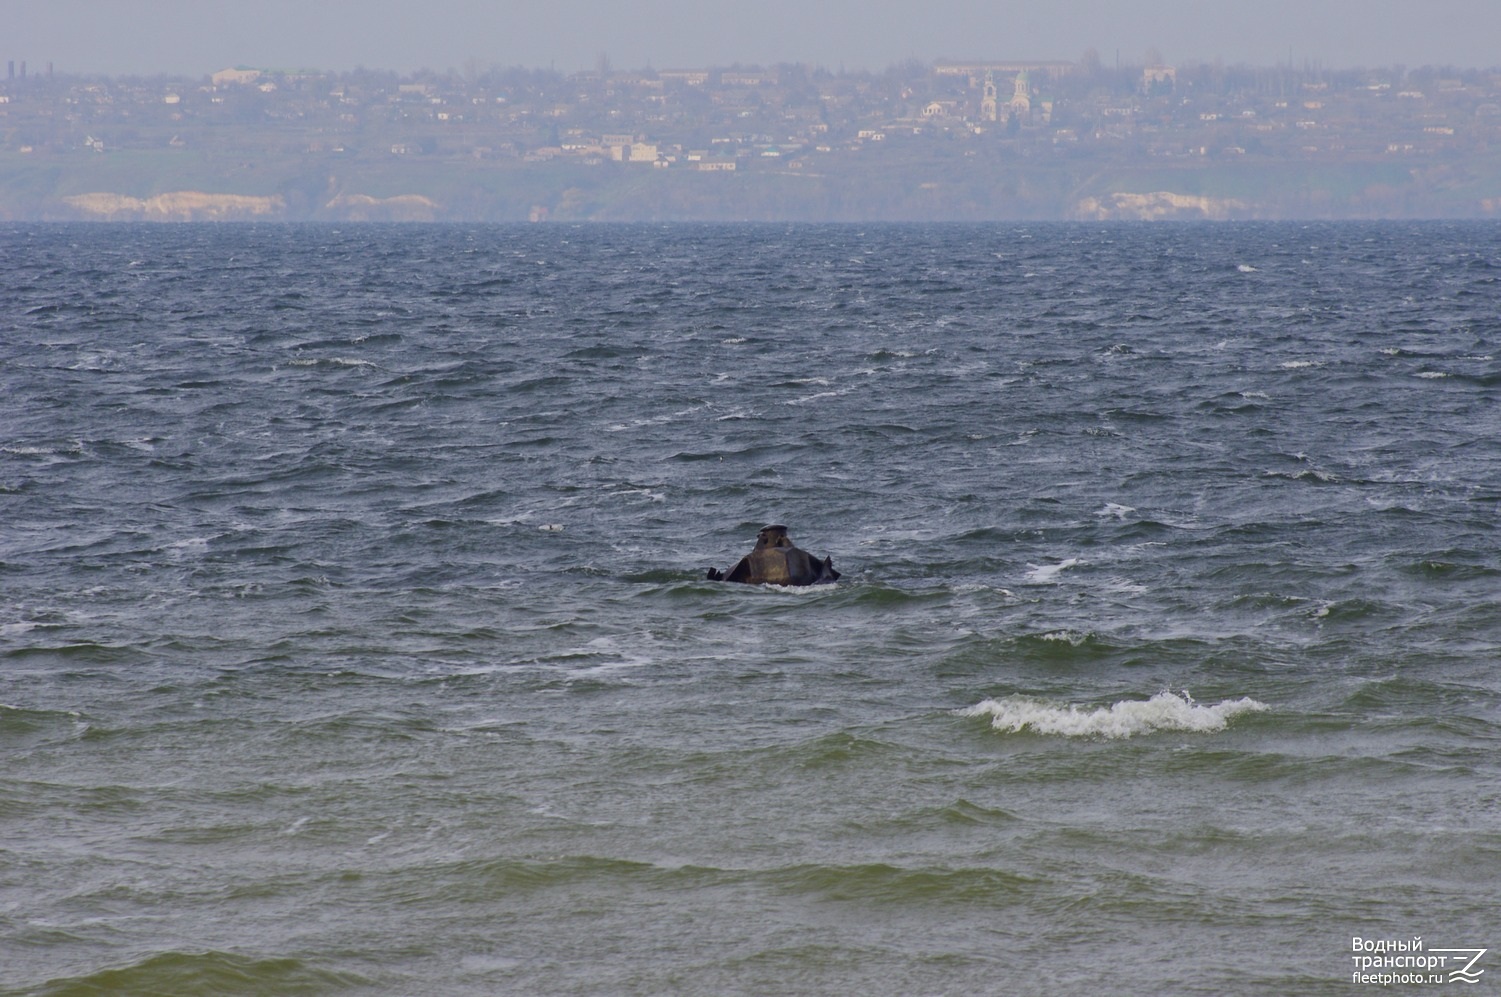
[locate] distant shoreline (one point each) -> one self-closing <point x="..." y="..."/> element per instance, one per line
<point x="982" y="141"/>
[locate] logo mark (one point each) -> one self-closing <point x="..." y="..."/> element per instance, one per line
<point x="1466" y="973"/>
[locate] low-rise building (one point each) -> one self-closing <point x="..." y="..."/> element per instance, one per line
<point x="238" y="76"/>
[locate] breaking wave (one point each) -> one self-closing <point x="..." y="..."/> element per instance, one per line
<point x="1164" y="711"/>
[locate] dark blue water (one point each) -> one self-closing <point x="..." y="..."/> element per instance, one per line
<point x="354" y="634"/>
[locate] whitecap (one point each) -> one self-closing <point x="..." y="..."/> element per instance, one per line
<point x="1165" y="711"/>
<point x="1432" y="375"/>
<point x="654" y="420"/>
<point x="816" y="397"/>
<point x="334" y="361"/>
<point x="980" y="588"/>
<point x="1047" y="574"/>
<point x="1247" y="268"/>
<point x="1323" y="477"/>
<point x="1113" y="510"/>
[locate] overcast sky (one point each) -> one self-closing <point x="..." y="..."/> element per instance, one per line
<point x="196" y="37"/>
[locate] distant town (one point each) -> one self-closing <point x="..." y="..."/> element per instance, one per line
<point x="946" y="141"/>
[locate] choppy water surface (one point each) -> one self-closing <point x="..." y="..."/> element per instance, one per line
<point x="355" y="636"/>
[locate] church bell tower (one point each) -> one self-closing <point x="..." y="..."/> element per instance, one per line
<point x="989" y="103"/>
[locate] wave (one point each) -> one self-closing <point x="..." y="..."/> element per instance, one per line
<point x="329" y="362"/>
<point x="1048" y="574"/>
<point x="960" y="813"/>
<point x="868" y="882"/>
<point x="21" y="727"/>
<point x="1165" y="711"/>
<point x="206" y="973"/>
<point x="880" y="882"/>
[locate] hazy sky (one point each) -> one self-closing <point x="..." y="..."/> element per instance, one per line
<point x="195" y="37"/>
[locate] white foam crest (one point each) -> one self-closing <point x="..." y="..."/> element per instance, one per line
<point x="1305" y="475"/>
<point x="980" y="588"/>
<point x="1047" y="574"/>
<point x="651" y="494"/>
<point x="653" y="420"/>
<point x="599" y="657"/>
<point x="1165" y="711"/>
<point x="179" y="547"/>
<point x="819" y="396"/>
<point x="335" y="361"/>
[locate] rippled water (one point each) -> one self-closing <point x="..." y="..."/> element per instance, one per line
<point x="355" y="636"/>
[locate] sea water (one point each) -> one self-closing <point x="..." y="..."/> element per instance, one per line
<point x="354" y="633"/>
